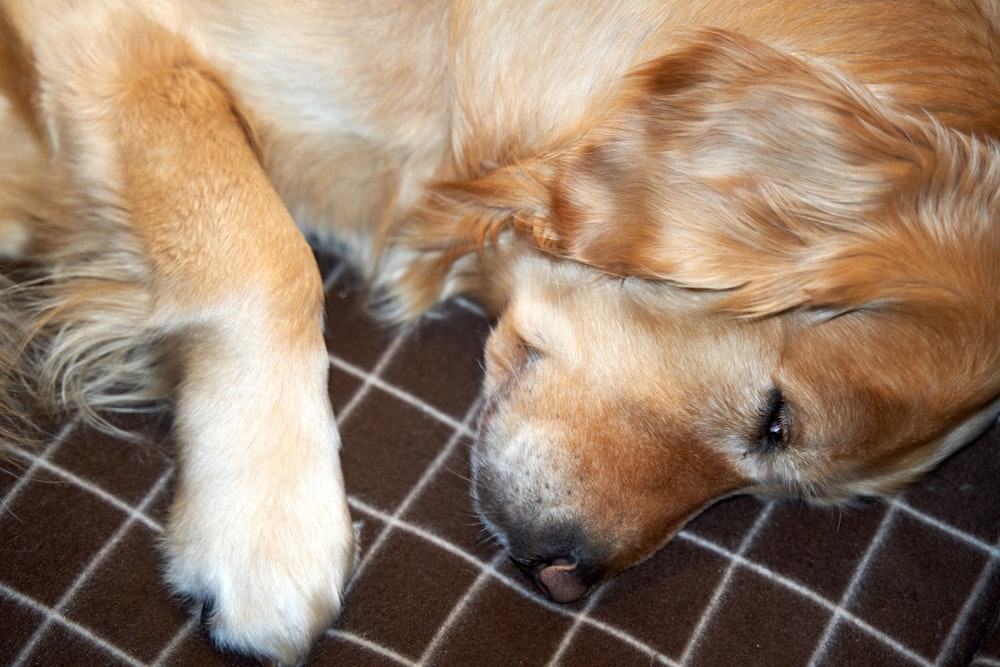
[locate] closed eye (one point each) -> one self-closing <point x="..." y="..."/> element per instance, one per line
<point x="774" y="430"/>
<point x="530" y="354"/>
<point x="529" y="349"/>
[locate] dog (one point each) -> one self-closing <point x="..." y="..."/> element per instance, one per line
<point x="731" y="247"/>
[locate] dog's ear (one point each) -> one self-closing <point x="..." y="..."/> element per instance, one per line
<point x="730" y="165"/>
<point x="725" y="165"/>
<point x="458" y="216"/>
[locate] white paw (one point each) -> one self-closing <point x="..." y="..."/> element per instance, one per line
<point x="260" y="535"/>
<point x="266" y="564"/>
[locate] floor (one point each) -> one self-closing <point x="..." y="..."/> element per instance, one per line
<point x="915" y="580"/>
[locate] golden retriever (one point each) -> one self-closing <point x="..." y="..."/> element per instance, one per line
<point x="734" y="246"/>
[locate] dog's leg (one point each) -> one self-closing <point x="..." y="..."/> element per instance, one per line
<point x="259" y="532"/>
<point x="20" y="177"/>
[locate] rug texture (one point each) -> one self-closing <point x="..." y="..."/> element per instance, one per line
<point x="910" y="581"/>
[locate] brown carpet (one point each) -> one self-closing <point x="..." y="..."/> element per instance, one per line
<point x="750" y="582"/>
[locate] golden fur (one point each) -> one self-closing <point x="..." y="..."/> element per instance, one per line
<point x="734" y="246"/>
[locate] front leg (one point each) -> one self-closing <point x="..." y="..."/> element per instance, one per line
<point x="259" y="533"/>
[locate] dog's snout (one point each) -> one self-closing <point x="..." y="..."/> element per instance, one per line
<point x="530" y="513"/>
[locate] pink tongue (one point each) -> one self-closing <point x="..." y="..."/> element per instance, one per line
<point x="561" y="583"/>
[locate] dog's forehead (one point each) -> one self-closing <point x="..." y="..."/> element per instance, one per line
<point x="671" y="358"/>
<point x="565" y="304"/>
<point x="562" y="295"/>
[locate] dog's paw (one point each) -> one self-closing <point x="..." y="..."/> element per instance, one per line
<point x="265" y="566"/>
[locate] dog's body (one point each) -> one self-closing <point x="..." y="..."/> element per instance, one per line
<point x="758" y="257"/>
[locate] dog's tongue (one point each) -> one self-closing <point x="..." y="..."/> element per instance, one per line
<point x="561" y="582"/>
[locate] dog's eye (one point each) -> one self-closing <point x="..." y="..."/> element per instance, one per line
<point x="530" y="354"/>
<point x="527" y="353"/>
<point x="774" y="429"/>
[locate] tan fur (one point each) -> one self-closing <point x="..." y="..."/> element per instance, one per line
<point x="697" y="222"/>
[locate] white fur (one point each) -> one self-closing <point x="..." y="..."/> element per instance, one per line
<point x="268" y="547"/>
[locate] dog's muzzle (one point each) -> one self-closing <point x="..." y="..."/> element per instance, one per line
<point x="556" y="554"/>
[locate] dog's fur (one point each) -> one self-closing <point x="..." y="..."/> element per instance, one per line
<point x="733" y="246"/>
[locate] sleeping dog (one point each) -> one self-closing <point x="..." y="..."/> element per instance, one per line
<point x="732" y="247"/>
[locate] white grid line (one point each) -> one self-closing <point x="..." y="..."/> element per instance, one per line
<point x="76" y="628"/>
<point x="847" y="597"/>
<point x="373" y="380"/>
<point x="432" y="469"/>
<point x="626" y="638"/>
<point x="948" y="529"/>
<point x="374" y="647"/>
<point x="132" y="512"/>
<point x="469" y="306"/>
<point x="574" y="628"/>
<point x="36" y="460"/>
<point x="418" y="531"/>
<point x="331" y="278"/>
<point x="455" y="550"/>
<point x="984" y="579"/>
<point x="367" y="379"/>
<point x="808" y="594"/>
<point x="109" y="545"/>
<point x="187" y="630"/>
<point x="696" y="635"/>
<point x="456" y="611"/>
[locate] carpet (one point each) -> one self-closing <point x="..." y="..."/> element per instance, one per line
<point x="909" y="581"/>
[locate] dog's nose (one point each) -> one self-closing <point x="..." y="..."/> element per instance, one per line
<point x="561" y="579"/>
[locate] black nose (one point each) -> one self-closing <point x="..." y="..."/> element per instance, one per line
<point x="561" y="579"/>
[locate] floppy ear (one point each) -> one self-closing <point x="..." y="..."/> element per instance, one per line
<point x="724" y="165"/>
<point x="730" y="165"/>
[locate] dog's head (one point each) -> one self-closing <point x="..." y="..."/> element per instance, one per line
<point x="751" y="275"/>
